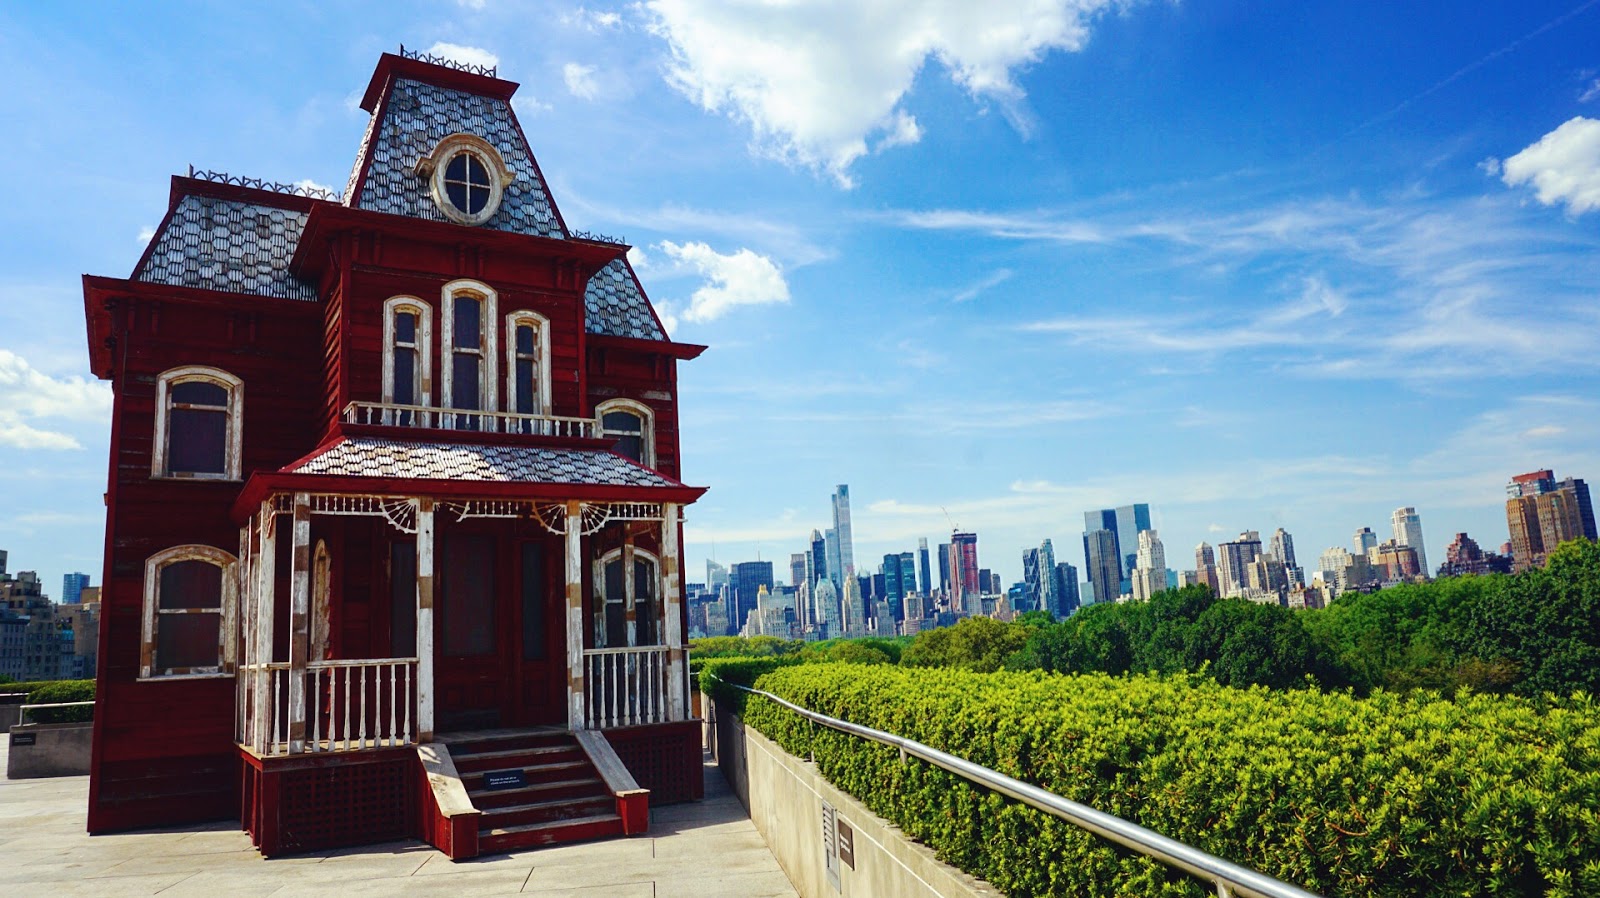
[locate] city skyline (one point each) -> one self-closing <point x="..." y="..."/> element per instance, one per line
<point x="1291" y="267"/>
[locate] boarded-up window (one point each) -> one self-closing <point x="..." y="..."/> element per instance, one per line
<point x="188" y="596"/>
<point x="197" y="428"/>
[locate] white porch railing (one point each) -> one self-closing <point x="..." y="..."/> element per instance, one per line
<point x="389" y="414"/>
<point x="625" y="686"/>
<point x="349" y="705"/>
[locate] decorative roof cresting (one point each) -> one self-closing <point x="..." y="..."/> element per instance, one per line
<point x="302" y="188"/>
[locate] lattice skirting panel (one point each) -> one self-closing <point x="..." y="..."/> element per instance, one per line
<point x="291" y="808"/>
<point x="664" y="758"/>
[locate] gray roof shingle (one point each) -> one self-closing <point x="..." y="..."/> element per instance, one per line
<point x="615" y="304"/>
<point x="416" y="117"/>
<point x="228" y="245"/>
<point x="371" y="457"/>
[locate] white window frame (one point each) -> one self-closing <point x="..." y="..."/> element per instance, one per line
<point x="424" y="348"/>
<point x="647" y="425"/>
<point x="149" y="668"/>
<point x="628" y="599"/>
<point x="488" y="375"/>
<point x="541" y="328"/>
<point x="160" y="451"/>
<point x="433" y="166"/>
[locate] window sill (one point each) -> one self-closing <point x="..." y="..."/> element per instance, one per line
<point x="164" y="678"/>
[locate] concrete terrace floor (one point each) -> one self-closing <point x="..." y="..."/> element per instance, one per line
<point x="706" y="850"/>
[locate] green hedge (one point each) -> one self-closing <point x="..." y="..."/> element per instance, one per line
<point x="1388" y="795"/>
<point x="45" y="692"/>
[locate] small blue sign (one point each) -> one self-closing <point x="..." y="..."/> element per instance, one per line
<point x="505" y="779"/>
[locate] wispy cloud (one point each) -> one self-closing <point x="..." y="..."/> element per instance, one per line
<point x="580" y="80"/>
<point x="993" y="279"/>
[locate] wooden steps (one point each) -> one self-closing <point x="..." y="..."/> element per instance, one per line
<point x="563" y="797"/>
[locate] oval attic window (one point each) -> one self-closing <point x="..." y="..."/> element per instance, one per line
<point x="466" y="177"/>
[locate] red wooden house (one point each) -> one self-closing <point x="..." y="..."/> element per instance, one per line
<point x="393" y="515"/>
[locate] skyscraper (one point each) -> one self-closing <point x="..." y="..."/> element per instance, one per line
<point x="1408" y="532"/>
<point x="1205" y="567"/>
<point x="716" y="575"/>
<point x="1542" y="513"/>
<point x="1364" y="541"/>
<point x="841" y="526"/>
<point x="835" y="569"/>
<point x="1233" y="562"/>
<point x="1132" y="520"/>
<point x="1047" y="567"/>
<point x="797" y="569"/>
<point x="819" y="558"/>
<point x="1283" y="550"/>
<point x="944" y="568"/>
<point x="1066" y="595"/>
<point x="72" y="588"/>
<point x="924" y="582"/>
<point x="748" y="579"/>
<point x="1105" y="571"/>
<point x="894" y="589"/>
<point x="1150" y="568"/>
<point x="964" y="566"/>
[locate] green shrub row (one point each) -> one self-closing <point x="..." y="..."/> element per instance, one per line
<point x="49" y="692"/>
<point x="1388" y="795"/>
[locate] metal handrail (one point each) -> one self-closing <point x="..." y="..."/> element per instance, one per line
<point x="1229" y="878"/>
<point x="22" y="710"/>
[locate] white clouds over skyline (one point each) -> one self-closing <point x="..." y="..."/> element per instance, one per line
<point x="821" y="85"/>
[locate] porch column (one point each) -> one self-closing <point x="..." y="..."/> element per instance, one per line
<point x="266" y="728"/>
<point x="424" y="619"/>
<point x="299" y="621"/>
<point x="576" y="719"/>
<point x="677" y="681"/>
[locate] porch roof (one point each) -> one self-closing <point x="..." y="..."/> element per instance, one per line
<point x="360" y="464"/>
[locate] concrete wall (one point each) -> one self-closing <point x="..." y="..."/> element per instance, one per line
<point x="10" y="708"/>
<point x="58" y="749"/>
<point x="785" y="797"/>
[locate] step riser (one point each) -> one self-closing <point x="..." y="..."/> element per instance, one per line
<point x="472" y="764"/>
<point x="580" y="808"/>
<point x="488" y="801"/>
<point x="506" y="743"/>
<point x="576" y="833"/>
<point x="535" y="775"/>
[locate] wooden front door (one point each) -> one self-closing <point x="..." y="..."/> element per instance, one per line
<point x="500" y="635"/>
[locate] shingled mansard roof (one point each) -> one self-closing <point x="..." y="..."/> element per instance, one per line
<point x="228" y="245"/>
<point x="371" y="457"/>
<point x="243" y="247"/>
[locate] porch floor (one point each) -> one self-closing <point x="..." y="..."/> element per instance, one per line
<point x="708" y="849"/>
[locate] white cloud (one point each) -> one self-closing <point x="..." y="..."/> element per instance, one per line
<point x="1592" y="92"/>
<point x="146" y="234"/>
<point x="994" y="279"/>
<point x="816" y="82"/>
<point x="308" y="184"/>
<point x="27" y="393"/>
<point x="528" y="105"/>
<point x="638" y="259"/>
<point x="580" y="80"/>
<point x="1543" y="431"/>
<point x="592" y="20"/>
<point x="1563" y="166"/>
<point x="743" y="278"/>
<point x="468" y="55"/>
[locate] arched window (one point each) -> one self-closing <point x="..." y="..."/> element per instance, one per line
<point x="199" y="426"/>
<point x="631" y="425"/>
<point x="408" y="354"/>
<point x="189" y="600"/>
<point x="469" y="348"/>
<point x="619" y="596"/>
<point x="527" y="363"/>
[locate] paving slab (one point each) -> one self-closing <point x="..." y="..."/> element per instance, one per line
<point x="706" y="849"/>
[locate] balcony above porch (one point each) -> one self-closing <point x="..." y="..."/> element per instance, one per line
<point x="418" y="419"/>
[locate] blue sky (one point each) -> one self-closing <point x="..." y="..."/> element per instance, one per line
<point x="1257" y="264"/>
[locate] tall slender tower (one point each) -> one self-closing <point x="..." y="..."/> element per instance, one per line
<point x="1408" y="532"/>
<point x="1283" y="550"/>
<point x="923" y="569"/>
<point x="841" y="526"/>
<point x="1205" y="567"/>
<point x="817" y="563"/>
